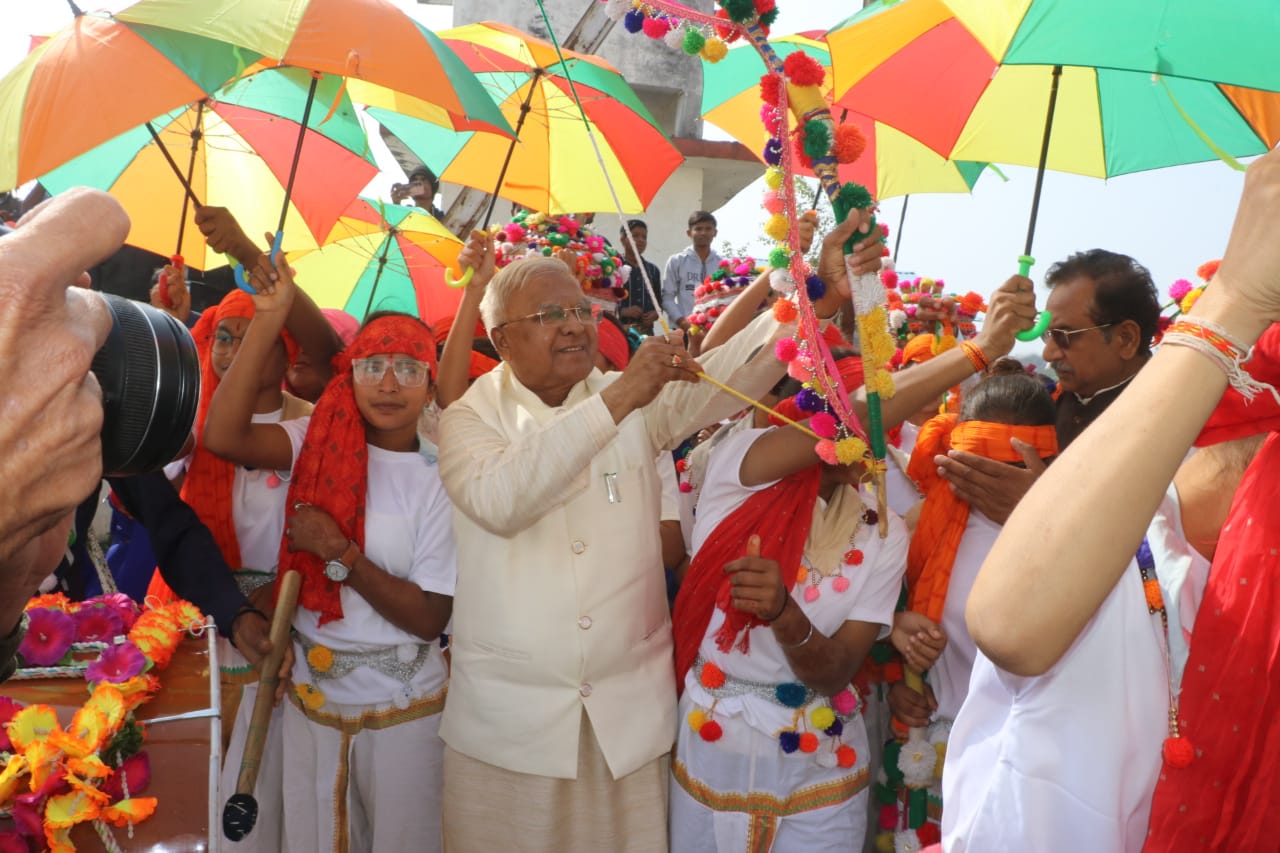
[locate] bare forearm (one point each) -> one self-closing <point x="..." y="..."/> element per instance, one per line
<point x="822" y="663"/>
<point x="455" y="361"/>
<point x="1070" y="538"/>
<point x="915" y="387"/>
<point x="313" y="332"/>
<point x="229" y="421"/>
<point x="401" y="602"/>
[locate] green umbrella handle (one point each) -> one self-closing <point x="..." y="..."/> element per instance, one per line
<point x="459" y="282"/>
<point x="1044" y="318"/>
<point x="241" y="281"/>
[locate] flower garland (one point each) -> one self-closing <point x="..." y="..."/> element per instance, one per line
<point x="91" y="771"/>
<point x="599" y="268"/>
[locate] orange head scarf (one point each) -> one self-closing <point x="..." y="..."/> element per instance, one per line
<point x="944" y="516"/>
<point x="210" y="478"/>
<point x="332" y="468"/>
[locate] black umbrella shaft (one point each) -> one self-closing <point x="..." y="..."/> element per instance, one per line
<point x="297" y="151"/>
<point x="511" y="149"/>
<point x="897" y="241"/>
<point x="186" y="185"/>
<point x="382" y="264"/>
<point x="1044" y="157"/>
<point x="191" y="167"/>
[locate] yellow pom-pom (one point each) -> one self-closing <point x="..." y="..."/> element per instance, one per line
<point x="320" y="658"/>
<point x="941" y="749"/>
<point x="822" y="718"/>
<point x="884" y="842"/>
<point x="773" y="177"/>
<point x="310" y="695"/>
<point x="697" y="718"/>
<point x="850" y="450"/>
<point x="1190" y="299"/>
<point x="777" y="227"/>
<point x="714" y="50"/>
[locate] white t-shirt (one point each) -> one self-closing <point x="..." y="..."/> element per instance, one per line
<point x="872" y="594"/>
<point x="949" y="675"/>
<point x="408" y="533"/>
<point x="1067" y="761"/>
<point x="900" y="492"/>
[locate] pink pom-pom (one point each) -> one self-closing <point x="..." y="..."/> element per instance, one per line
<point x="773" y="202"/>
<point x="826" y="450"/>
<point x="273" y="480"/>
<point x="840" y="584"/>
<point x="1179" y="289"/>
<point x="889" y="278"/>
<point x="811" y="594"/>
<point x="824" y="424"/>
<point x="786" y="349"/>
<point x="771" y="118"/>
<point x="743" y="268"/>
<point x="686" y="486"/>
<point x="515" y="232"/>
<point x="656" y="28"/>
<point x="844" y="702"/>
<point x="798" y="371"/>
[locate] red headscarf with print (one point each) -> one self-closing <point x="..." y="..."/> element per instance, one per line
<point x="332" y="469"/>
<point x="207" y="487"/>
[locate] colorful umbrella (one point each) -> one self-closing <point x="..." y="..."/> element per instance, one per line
<point x="383" y="257"/>
<point x="551" y="168"/>
<point x="936" y="72"/>
<point x="237" y="149"/>
<point x="94" y="80"/>
<point x="893" y="163"/>
<point x="362" y="40"/>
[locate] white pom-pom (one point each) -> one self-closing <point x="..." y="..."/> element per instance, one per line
<point x="618" y="9"/>
<point x="886" y="264"/>
<point x="897" y="318"/>
<point x="624" y="272"/>
<point x="917" y="760"/>
<point x="826" y="759"/>
<point x="401" y="699"/>
<point x="782" y="283"/>
<point x="406" y="652"/>
<point x="674" y="38"/>
<point x="906" y="841"/>
<point x="509" y="249"/>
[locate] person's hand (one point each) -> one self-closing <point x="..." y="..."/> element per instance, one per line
<point x="683" y="324"/>
<point x="807" y="225"/>
<point x="179" y="306"/>
<point x="1250" y="271"/>
<point x="631" y="312"/>
<point x="223" y="233"/>
<point x="399" y="192"/>
<point x="251" y="635"/>
<point x="867" y="251"/>
<point x="658" y="361"/>
<point x="569" y="258"/>
<point x="993" y="488"/>
<point x="479" y="255"/>
<point x="918" y="639"/>
<point x="274" y="284"/>
<point x="649" y="318"/>
<point x="1011" y="309"/>
<point x="313" y="530"/>
<point x="755" y="583"/>
<point x="911" y="708"/>
<point x="50" y="450"/>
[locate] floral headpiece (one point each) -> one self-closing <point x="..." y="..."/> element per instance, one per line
<point x="717" y="290"/>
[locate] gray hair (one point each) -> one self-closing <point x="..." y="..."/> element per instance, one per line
<point x="513" y="277"/>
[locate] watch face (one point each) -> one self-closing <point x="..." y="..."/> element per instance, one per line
<point x="336" y="571"/>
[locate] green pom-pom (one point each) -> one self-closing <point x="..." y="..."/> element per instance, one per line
<point x="885" y="795"/>
<point x="891" y="752"/>
<point x="769" y="17"/>
<point x="693" y="41"/>
<point x="779" y="258"/>
<point x="854" y="196"/>
<point x="546" y="250"/>
<point x="739" y="11"/>
<point x="817" y="139"/>
<point x="917" y="807"/>
<point x="881" y="653"/>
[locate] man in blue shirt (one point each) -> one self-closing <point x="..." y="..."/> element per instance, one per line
<point x="688" y="269"/>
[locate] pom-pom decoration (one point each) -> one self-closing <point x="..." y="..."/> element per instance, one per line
<point x="785" y="349"/>
<point x="1208" y="269"/>
<point x="791" y="694"/>
<point x="773" y="178"/>
<point x="656" y="28"/>
<point x="711" y="676"/>
<point x="739" y="11"/>
<point x="826" y="451"/>
<point x="822" y="717"/>
<point x="803" y="70"/>
<point x="634" y="21"/>
<point x="697" y="719"/>
<point x="824" y="424"/>
<point x="1178" y="752"/>
<point x="846" y="756"/>
<point x="711" y="731"/>
<point x="808" y="742"/>
<point x="789" y="742"/>
<point x="779" y="258"/>
<point x="845" y="702"/>
<point x="776" y="227"/>
<point x="849" y="143"/>
<point x="674" y="38"/>
<point x="1179" y="289"/>
<point x="694" y="41"/>
<point x="714" y="50"/>
<point x="773" y="152"/>
<point x="817" y="137"/>
<point x="771" y="90"/>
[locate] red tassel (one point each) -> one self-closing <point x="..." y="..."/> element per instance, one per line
<point x="1178" y="752"/>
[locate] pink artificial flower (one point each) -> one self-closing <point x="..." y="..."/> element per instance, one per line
<point x="8" y="707"/>
<point x="97" y="623"/>
<point x="123" y="606"/>
<point x="49" y="637"/>
<point x="12" y="842"/>
<point x="135" y="771"/>
<point x="28" y="820"/>
<point x="117" y="663"/>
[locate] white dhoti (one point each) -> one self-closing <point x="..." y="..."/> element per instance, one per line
<point x="363" y="778"/>
<point x="742" y="794"/>
<point x="268" y="831"/>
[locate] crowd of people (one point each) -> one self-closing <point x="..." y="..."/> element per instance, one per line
<point x="577" y="597"/>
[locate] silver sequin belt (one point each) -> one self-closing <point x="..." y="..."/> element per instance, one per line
<point x="791" y="694"/>
<point x="250" y="580"/>
<point x="401" y="662"/>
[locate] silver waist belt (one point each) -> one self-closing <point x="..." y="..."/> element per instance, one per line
<point x="250" y="580"/>
<point x="790" y="694"/>
<point x="387" y="661"/>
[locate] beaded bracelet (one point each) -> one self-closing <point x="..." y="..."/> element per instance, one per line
<point x="1215" y="344"/>
<point x="975" y="355"/>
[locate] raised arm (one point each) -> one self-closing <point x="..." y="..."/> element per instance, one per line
<point x="229" y="430"/>
<point x="451" y="383"/>
<point x="1072" y="536"/>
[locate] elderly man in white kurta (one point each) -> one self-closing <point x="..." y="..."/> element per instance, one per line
<point x="561" y="711"/>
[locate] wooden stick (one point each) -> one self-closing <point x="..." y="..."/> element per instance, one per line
<point x="281" y="621"/>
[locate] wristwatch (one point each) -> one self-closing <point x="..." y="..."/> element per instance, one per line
<point x="338" y="570"/>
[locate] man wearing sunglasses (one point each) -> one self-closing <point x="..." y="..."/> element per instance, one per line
<point x="1105" y="309"/>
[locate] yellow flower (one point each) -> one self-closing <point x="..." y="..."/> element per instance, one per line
<point x="85" y="735"/>
<point x="109" y="701"/>
<point x="311" y="697"/>
<point x="43" y="760"/>
<point x="134" y="810"/>
<point x="320" y="658"/>
<point x="10" y="776"/>
<point x="66" y="810"/>
<point x="33" y="723"/>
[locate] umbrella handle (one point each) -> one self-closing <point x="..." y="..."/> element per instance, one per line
<point x="241" y="281"/>
<point x="1044" y="318"/>
<point x="459" y="282"/>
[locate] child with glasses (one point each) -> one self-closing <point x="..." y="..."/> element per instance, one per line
<point x="369" y="528"/>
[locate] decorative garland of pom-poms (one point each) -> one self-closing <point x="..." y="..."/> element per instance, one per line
<point x="634" y="21"/>
<point x="849" y="143"/>
<point x="817" y="137"/>
<point x="714" y="50"/>
<point x="739" y="11"/>
<point x="693" y="41"/>
<point x="803" y="70"/>
<point x="771" y="88"/>
<point x="656" y="27"/>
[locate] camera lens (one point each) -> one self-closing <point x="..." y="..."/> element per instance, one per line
<point x="150" y="377"/>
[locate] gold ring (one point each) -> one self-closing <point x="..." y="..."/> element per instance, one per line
<point x="675" y="360"/>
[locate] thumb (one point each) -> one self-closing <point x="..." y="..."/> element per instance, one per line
<point x="753" y="546"/>
<point x="1029" y="455"/>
